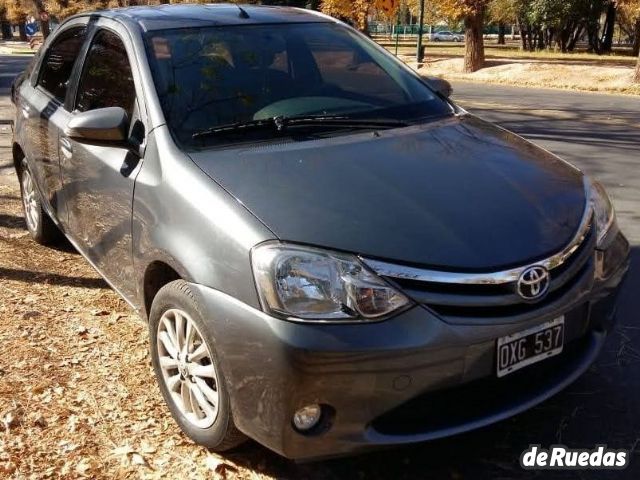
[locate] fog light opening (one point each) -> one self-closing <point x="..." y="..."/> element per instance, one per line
<point x="307" y="418"/>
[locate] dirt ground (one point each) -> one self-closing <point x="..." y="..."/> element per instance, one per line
<point x="77" y="393"/>
<point x="586" y="76"/>
<point x="78" y="398"/>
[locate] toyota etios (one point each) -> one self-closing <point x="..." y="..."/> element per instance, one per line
<point x="331" y="255"/>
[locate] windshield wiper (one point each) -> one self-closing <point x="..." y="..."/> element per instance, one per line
<point x="280" y="124"/>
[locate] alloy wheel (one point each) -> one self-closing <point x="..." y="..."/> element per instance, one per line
<point x="187" y="368"/>
<point x="31" y="209"/>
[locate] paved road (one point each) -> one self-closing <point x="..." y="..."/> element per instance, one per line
<point x="10" y="66"/>
<point x="600" y="134"/>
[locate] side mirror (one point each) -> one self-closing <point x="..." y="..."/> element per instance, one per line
<point x="440" y="85"/>
<point x="104" y="126"/>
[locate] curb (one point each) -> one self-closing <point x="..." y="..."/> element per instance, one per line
<point x="15" y="51"/>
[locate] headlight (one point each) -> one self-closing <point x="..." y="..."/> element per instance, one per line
<point x="603" y="212"/>
<point x="314" y="284"/>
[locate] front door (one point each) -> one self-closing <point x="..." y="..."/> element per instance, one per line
<point x="99" y="180"/>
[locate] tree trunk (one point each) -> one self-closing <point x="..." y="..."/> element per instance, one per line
<point x="22" y="31"/>
<point x="540" y="40"/>
<point x="636" y="39"/>
<point x="565" y="36"/>
<point x="523" y="34"/>
<point x="636" y="76"/>
<point x="474" y="41"/>
<point x="502" y="29"/>
<point x="572" y="43"/>
<point x="593" y="34"/>
<point x="609" y="27"/>
<point x="7" y="33"/>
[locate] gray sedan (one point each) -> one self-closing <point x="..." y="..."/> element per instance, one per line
<point x="331" y="255"/>
<point x="446" y="36"/>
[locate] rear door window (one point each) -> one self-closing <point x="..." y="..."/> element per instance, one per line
<point x="58" y="62"/>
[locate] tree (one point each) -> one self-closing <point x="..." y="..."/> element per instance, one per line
<point x="356" y="12"/>
<point x="5" y="25"/>
<point x="39" y="10"/>
<point x="16" y="12"/>
<point x="502" y="12"/>
<point x="631" y="8"/>
<point x="629" y="22"/>
<point x="472" y="13"/>
<point x="609" y="27"/>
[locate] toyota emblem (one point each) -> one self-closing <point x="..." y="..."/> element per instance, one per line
<point x="533" y="283"/>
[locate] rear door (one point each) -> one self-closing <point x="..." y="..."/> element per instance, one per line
<point x="99" y="180"/>
<point x="43" y="113"/>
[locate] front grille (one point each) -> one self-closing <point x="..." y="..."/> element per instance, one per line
<point x="462" y="301"/>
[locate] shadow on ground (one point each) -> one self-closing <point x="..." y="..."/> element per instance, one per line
<point x="31" y="276"/>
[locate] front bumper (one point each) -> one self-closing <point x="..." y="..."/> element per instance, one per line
<point x="391" y="382"/>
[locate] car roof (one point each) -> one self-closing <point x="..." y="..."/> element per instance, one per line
<point x="201" y="15"/>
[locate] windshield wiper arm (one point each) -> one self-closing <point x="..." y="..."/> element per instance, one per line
<point x="280" y="124"/>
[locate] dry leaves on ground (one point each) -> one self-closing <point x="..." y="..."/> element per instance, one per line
<point x="77" y="393"/>
<point x="570" y="76"/>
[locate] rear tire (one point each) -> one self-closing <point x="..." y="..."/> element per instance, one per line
<point x="187" y="368"/>
<point x="39" y="224"/>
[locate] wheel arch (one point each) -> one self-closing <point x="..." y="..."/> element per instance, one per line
<point x="157" y="274"/>
<point x="18" y="156"/>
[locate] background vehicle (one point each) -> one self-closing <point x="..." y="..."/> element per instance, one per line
<point x="330" y="254"/>
<point x="446" y="36"/>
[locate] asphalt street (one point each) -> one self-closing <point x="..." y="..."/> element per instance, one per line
<point x="10" y="66"/>
<point x="601" y="135"/>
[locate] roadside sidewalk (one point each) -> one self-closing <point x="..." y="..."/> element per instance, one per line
<point x="15" y="47"/>
<point x="6" y="159"/>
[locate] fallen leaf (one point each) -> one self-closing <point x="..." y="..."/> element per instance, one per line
<point x="13" y="418"/>
<point x="83" y="467"/>
<point x="219" y="465"/>
<point x="39" y="421"/>
<point x="122" y="451"/>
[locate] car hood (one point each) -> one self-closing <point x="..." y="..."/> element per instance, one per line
<point x="455" y="194"/>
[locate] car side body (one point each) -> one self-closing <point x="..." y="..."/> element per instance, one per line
<point x="430" y="203"/>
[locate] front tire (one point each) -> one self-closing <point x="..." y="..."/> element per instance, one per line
<point x="187" y="368"/>
<point x="40" y="226"/>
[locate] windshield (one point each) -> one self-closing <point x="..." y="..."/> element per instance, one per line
<point x="217" y="76"/>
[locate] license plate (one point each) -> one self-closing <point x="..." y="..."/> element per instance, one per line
<point x="529" y="346"/>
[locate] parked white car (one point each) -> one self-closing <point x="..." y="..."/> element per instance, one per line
<point x="446" y="37"/>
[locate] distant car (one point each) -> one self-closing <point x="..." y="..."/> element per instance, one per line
<point x="446" y="37"/>
<point x="331" y="255"/>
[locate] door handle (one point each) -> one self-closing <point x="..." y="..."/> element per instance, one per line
<point x="65" y="147"/>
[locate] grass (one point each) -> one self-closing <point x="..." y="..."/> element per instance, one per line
<point x="619" y="55"/>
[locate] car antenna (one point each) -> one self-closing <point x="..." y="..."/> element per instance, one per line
<point x="243" y="12"/>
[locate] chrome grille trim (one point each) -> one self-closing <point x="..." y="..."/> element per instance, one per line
<point x="392" y="270"/>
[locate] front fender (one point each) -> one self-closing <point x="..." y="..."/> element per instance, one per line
<point x="184" y="219"/>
